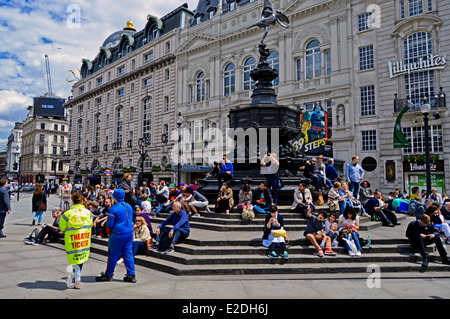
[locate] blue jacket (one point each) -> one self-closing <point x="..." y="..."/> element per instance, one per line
<point x="179" y="221"/>
<point x="227" y="167"/>
<point x="120" y="216"/>
<point x="353" y="172"/>
<point x="331" y="172"/>
<point x="5" y="203"/>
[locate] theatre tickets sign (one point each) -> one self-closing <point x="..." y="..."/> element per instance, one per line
<point x="430" y="62"/>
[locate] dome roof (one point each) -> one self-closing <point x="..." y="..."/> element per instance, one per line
<point x="114" y="39"/>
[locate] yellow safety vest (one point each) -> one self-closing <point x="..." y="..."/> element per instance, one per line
<point x="76" y="224"/>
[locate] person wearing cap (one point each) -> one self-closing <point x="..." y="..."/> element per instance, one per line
<point x="173" y="193"/>
<point x="162" y="193"/>
<point x="196" y="201"/>
<point x="120" y="227"/>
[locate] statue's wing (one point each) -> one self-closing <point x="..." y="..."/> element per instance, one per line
<point x="282" y="19"/>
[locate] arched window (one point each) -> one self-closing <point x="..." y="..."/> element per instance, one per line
<point x="119" y="124"/>
<point x="418" y="46"/>
<point x="147" y="120"/>
<point x="249" y="65"/>
<point x="313" y="60"/>
<point x="200" y="87"/>
<point x="274" y="64"/>
<point x="228" y="80"/>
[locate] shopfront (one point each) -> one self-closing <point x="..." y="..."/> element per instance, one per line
<point x="415" y="175"/>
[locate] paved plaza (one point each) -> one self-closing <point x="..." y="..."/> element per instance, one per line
<point x="38" y="272"/>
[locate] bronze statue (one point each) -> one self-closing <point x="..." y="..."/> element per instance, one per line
<point x="270" y="18"/>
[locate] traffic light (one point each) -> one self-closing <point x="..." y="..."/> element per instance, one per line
<point x="15" y="166"/>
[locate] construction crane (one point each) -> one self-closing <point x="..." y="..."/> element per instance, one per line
<point x="49" y="79"/>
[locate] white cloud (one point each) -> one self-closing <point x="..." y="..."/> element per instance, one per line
<point x="31" y="29"/>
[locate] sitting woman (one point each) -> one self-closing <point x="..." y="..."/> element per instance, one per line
<point x="245" y="198"/>
<point x="142" y="239"/>
<point x="225" y="201"/>
<point x="274" y="221"/>
<point x="352" y="201"/>
<point x="334" y="195"/>
<point x="348" y="225"/>
<point x="438" y="221"/>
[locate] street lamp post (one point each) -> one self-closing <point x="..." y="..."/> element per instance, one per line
<point x="425" y="109"/>
<point x="180" y="120"/>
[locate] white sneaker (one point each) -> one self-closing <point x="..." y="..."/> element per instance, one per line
<point x="358" y="253"/>
<point x="70" y="281"/>
<point x="351" y="253"/>
<point x="365" y="215"/>
<point x="120" y="261"/>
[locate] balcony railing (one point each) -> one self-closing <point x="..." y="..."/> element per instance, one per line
<point x="117" y="146"/>
<point x="95" y="149"/>
<point x="130" y="143"/>
<point x="436" y="101"/>
<point x="105" y="147"/>
<point x="86" y="150"/>
<point x="77" y="151"/>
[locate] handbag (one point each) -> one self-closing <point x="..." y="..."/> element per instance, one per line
<point x="351" y="244"/>
<point x="320" y="200"/>
<point x="280" y="233"/>
<point x="41" y="206"/>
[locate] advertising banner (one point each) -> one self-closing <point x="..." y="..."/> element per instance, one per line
<point x="313" y="135"/>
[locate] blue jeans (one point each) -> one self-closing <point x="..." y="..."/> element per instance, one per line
<point x="38" y="216"/>
<point x="354" y="188"/>
<point x="272" y="184"/>
<point x="138" y="245"/>
<point x="355" y="237"/>
<point x="163" y="209"/>
<point x="326" y="179"/>
<point x="261" y="209"/>
<point x="178" y="235"/>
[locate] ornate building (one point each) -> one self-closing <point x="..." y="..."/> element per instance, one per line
<point x="357" y="60"/>
<point x="123" y="107"/>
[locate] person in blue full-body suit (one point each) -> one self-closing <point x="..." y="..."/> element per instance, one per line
<point x="119" y="226"/>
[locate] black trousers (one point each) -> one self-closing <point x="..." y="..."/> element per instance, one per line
<point x="223" y="176"/>
<point x="2" y="221"/>
<point x="421" y="244"/>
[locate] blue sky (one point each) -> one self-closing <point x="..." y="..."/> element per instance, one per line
<point x="32" y="28"/>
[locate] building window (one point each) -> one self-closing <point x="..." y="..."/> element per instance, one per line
<point x="328" y="62"/>
<point x="418" y="84"/>
<point x="148" y="57"/>
<point x="232" y="6"/>
<point x="274" y="64"/>
<point x="147" y="119"/>
<point x="121" y="70"/>
<point x="120" y="92"/>
<point x="402" y="9"/>
<point x="148" y="82"/>
<point x="298" y="63"/>
<point x="97" y="130"/>
<point x="228" y="80"/>
<point x="166" y="104"/>
<point x="416" y="136"/>
<point x="369" y="140"/>
<point x="99" y="81"/>
<point x="41" y="150"/>
<point x="80" y="134"/>
<point x="415" y="7"/>
<point x="201" y="87"/>
<point x="249" y="65"/>
<point x="313" y="60"/>
<point x="119" y="124"/>
<point x="366" y="58"/>
<point x="167" y="47"/>
<point x="42" y="126"/>
<point x="167" y="74"/>
<point x="41" y="138"/>
<point x="367" y="100"/>
<point x="365" y="21"/>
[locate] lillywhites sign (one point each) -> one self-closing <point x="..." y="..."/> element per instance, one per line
<point x="431" y="62"/>
<point x="421" y="167"/>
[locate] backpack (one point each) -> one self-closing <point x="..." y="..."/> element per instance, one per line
<point x="247" y="213"/>
<point x="164" y="240"/>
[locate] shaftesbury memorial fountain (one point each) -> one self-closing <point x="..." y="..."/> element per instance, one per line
<point x="268" y="126"/>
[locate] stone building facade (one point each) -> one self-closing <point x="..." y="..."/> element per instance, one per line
<point x="124" y="104"/>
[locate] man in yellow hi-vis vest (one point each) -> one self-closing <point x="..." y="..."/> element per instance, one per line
<point x="76" y="224"/>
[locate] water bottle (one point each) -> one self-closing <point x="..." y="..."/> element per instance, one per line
<point x="369" y="242"/>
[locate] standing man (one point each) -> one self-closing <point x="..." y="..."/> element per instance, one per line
<point x="226" y="171"/>
<point x="119" y="226"/>
<point x="273" y="175"/>
<point x="354" y="174"/>
<point x="5" y="204"/>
